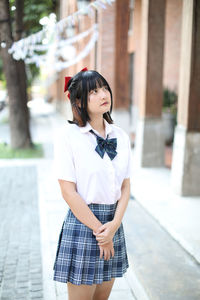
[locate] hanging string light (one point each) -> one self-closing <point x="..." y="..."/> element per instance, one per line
<point x="51" y="36"/>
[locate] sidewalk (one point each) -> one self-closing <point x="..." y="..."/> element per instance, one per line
<point x="180" y="216"/>
<point x="164" y="269"/>
<point x="20" y="255"/>
<point x="169" y="241"/>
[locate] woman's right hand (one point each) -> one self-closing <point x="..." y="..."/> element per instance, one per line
<point x="107" y="250"/>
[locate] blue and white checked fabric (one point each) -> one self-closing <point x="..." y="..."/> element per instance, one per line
<point x="77" y="258"/>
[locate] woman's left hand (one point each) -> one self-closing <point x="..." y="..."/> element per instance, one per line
<point x="105" y="233"/>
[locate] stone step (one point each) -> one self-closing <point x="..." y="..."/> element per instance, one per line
<point x="163" y="268"/>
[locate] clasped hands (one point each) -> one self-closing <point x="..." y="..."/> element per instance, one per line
<point x="104" y="236"/>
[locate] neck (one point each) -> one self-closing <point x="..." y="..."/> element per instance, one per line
<point x="97" y="123"/>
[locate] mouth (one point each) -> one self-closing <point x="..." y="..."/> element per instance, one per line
<point x="105" y="103"/>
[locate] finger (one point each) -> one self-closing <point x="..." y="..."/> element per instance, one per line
<point x="108" y="256"/>
<point x="105" y="255"/>
<point x="112" y="252"/>
<point x="100" y="235"/>
<point x="96" y="232"/>
<point x="101" y="252"/>
<point x="101" y="229"/>
<point x="99" y="238"/>
<point x="102" y="243"/>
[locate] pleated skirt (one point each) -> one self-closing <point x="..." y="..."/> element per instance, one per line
<point x="78" y="255"/>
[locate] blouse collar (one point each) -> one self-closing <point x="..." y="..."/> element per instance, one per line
<point x="88" y="127"/>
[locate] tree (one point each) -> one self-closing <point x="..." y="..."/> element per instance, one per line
<point x="26" y="16"/>
<point x="18" y="110"/>
<point x="19" y="29"/>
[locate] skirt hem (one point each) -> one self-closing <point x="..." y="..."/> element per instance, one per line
<point x="74" y="281"/>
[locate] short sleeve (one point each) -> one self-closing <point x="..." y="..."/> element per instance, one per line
<point x="130" y="161"/>
<point x="63" y="157"/>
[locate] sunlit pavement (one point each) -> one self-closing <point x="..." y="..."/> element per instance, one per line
<point x="20" y="254"/>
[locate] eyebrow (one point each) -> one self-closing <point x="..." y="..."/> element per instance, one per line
<point x="96" y="88"/>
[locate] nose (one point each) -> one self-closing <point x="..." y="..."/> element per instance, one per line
<point x="103" y="93"/>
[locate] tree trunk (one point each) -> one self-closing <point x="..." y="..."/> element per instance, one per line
<point x="19" y="28"/>
<point x="19" y="123"/>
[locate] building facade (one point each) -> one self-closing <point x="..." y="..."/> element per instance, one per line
<point x="147" y="49"/>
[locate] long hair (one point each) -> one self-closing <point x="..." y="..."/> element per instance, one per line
<point x="79" y="87"/>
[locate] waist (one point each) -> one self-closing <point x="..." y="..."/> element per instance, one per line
<point x="103" y="212"/>
<point x="102" y="206"/>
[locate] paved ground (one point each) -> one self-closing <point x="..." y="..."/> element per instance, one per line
<point x="163" y="267"/>
<point x="20" y="255"/>
<point x="180" y="216"/>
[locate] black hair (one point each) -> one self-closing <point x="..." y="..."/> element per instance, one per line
<point x="79" y="87"/>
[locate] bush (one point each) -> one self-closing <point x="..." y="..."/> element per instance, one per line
<point x="170" y="100"/>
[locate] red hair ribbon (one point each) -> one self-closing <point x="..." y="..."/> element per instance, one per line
<point x="67" y="79"/>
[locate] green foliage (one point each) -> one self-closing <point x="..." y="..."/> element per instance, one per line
<point x="33" y="12"/>
<point x="32" y="72"/>
<point x="7" y="152"/>
<point x="2" y="77"/>
<point x="170" y="101"/>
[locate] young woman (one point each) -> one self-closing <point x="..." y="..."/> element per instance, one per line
<point x="92" y="159"/>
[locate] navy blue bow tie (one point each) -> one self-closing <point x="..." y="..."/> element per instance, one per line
<point x="107" y="145"/>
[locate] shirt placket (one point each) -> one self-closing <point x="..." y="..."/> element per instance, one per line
<point x="111" y="170"/>
<point x="111" y="173"/>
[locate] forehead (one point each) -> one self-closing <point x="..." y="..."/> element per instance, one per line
<point x="94" y="83"/>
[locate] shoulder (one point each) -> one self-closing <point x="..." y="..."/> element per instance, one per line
<point x="66" y="131"/>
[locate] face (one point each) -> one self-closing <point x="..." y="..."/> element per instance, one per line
<point x="96" y="100"/>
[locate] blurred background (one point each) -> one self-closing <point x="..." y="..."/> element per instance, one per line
<point x="149" y="52"/>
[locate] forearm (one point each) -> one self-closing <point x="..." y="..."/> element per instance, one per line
<point x="81" y="210"/>
<point x="122" y="205"/>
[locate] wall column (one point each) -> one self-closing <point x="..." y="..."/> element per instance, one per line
<point x="149" y="144"/>
<point x="106" y="51"/>
<point x="113" y="58"/>
<point x="185" y="171"/>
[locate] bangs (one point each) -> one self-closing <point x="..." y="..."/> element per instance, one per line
<point x="94" y="80"/>
<point x="90" y="80"/>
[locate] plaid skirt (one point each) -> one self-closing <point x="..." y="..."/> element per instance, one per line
<point x="78" y="255"/>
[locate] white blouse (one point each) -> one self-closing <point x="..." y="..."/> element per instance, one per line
<point x="98" y="180"/>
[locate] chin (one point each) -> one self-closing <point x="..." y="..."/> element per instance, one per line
<point x="105" y="111"/>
